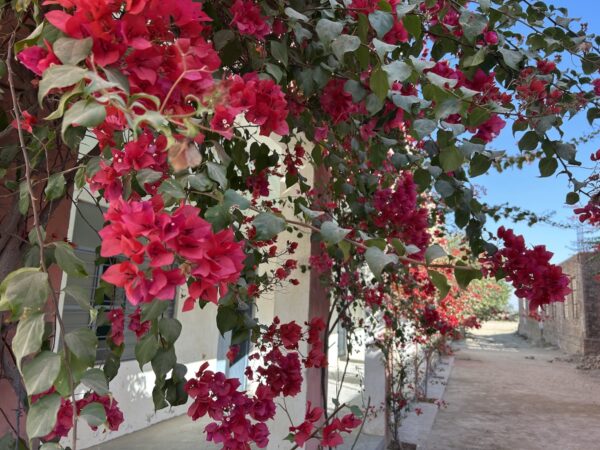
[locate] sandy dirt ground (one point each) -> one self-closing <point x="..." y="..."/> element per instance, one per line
<point x="504" y="393"/>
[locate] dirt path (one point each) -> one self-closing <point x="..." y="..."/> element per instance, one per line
<point x="505" y="394"/>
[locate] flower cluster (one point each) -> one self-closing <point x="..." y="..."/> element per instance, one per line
<point x="64" y="419"/>
<point x="165" y="58"/>
<point x="116" y="317"/>
<point x="589" y="213"/>
<point x="144" y="231"/>
<point x="261" y="100"/>
<point x="218" y="397"/>
<point x="239" y="417"/>
<point x="330" y="433"/>
<point x="398" y="212"/>
<point x="529" y="270"/>
<point x="247" y="18"/>
<point x="136" y="325"/>
<point x="146" y="152"/>
<point x="316" y="356"/>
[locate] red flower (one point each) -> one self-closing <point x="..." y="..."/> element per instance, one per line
<point x="26" y="123"/>
<point x="114" y="416"/>
<point x="136" y="325"/>
<point x="529" y="270"/>
<point x="38" y="59"/>
<point x="331" y="436"/>
<point x="490" y="37"/>
<point x="290" y="335"/>
<point x="247" y="18"/>
<point x="232" y="353"/>
<point x="337" y="102"/>
<point x="116" y="318"/>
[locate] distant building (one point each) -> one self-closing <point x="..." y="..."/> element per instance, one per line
<point x="574" y="326"/>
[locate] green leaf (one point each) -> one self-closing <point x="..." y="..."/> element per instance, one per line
<point x="68" y="261"/>
<point x="172" y="188"/>
<point x="94" y="414"/>
<point x="293" y="14"/>
<point x="378" y="83"/>
<point x="529" y="141"/>
<point x="164" y="361"/>
<point x="84" y="113"/>
<point x="441" y="82"/>
<point x="377" y="260"/>
<point x="59" y="76"/>
<point x="548" y="166"/>
<point x="479" y="165"/>
<point x="328" y="30"/>
<point x="566" y="151"/>
<point x="218" y="216"/>
<point x="117" y="78"/>
<point x="169" y="329"/>
<point x="72" y="51"/>
<point x="82" y="343"/>
<point x="80" y="295"/>
<point x="572" y="198"/>
<point x="382" y="22"/>
<point x="232" y="199"/>
<point x="227" y="319"/>
<point x="218" y="173"/>
<point x="343" y="44"/>
<point x="95" y="380"/>
<point x="593" y="114"/>
<point x="146" y="349"/>
<point x="465" y="276"/>
<point x="274" y="71"/>
<point x="413" y="25"/>
<point x="477" y="58"/>
<point x="444" y="188"/>
<point x="63" y="102"/>
<point x="332" y="232"/>
<point x="28" y="288"/>
<point x="29" y="335"/>
<point x="41" y="416"/>
<point x="153" y="310"/>
<point x="440" y="282"/>
<point x="51" y="446"/>
<point x="434" y="252"/>
<point x="424" y="127"/>
<point x="24" y="198"/>
<point x="80" y="178"/>
<point x="447" y="108"/>
<point x="356" y="89"/>
<point x="149" y="176"/>
<point x="402" y="10"/>
<point x="55" y="188"/>
<point x="40" y="373"/>
<point x="280" y="52"/>
<point x="512" y="58"/>
<point x="268" y="226"/>
<point x="477" y="116"/>
<point x="382" y="48"/>
<point x="373" y="104"/>
<point x="473" y="24"/>
<point x="398" y="71"/>
<point x="451" y="159"/>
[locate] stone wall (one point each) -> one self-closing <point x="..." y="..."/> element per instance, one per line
<point x="574" y="325"/>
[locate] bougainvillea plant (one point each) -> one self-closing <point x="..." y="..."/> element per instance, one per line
<point x="383" y="112"/>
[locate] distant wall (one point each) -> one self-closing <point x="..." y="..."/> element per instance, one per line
<point x="574" y="325"/>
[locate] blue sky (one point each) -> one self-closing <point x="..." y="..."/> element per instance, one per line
<point x="524" y="188"/>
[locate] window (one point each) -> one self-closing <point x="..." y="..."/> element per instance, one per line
<point x="88" y="219"/>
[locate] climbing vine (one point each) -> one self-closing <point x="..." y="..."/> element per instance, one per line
<point x="381" y="113"/>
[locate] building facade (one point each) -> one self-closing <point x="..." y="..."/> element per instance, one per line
<point x="573" y="326"/>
